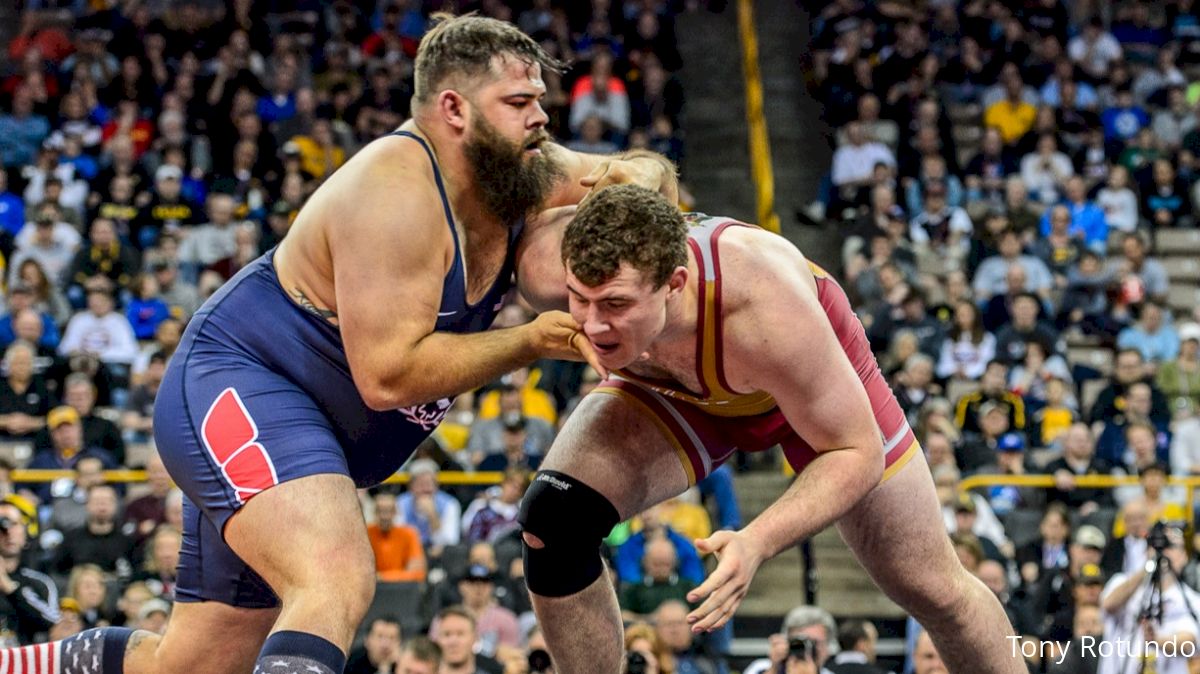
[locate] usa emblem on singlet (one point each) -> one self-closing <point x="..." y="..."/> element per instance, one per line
<point x="428" y="415"/>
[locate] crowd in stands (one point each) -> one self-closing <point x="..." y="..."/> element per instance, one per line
<point x="1005" y="175"/>
<point x="150" y="150"/>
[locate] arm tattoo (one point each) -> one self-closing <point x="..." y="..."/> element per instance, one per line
<point x="135" y="641"/>
<point x="303" y="301"/>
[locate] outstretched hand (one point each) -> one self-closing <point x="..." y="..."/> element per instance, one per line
<point x="560" y="337"/>
<point x="739" y="557"/>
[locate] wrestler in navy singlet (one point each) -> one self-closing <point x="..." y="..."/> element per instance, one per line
<point x="259" y="392"/>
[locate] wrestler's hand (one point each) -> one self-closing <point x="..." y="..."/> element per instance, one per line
<point x="558" y="336"/>
<point x="739" y="555"/>
<point x="643" y="171"/>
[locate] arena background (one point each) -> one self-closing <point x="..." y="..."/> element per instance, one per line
<point x="918" y="149"/>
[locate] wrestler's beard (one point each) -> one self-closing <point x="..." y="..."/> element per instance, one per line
<point x="512" y="185"/>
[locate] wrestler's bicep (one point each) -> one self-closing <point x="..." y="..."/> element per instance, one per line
<point x="389" y="264"/>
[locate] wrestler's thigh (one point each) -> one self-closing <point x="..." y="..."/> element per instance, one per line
<point x="898" y="535"/>
<point x="615" y="447"/>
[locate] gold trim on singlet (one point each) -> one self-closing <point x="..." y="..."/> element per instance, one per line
<point x="716" y="398"/>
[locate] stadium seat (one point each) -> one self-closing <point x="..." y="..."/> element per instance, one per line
<point x="1183" y="298"/>
<point x="1182" y="268"/>
<point x="1183" y="241"/>
<point x="1096" y="358"/>
<point x="398" y="600"/>
<point x="1021" y="525"/>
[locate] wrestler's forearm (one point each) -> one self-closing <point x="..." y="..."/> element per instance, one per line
<point x="824" y="491"/>
<point x="443" y="365"/>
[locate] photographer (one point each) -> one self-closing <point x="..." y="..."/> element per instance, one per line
<point x="28" y="599"/>
<point x="1124" y="604"/>
<point x="804" y="644"/>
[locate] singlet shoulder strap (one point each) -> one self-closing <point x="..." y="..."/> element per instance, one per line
<point x="437" y="177"/>
<point x="702" y="237"/>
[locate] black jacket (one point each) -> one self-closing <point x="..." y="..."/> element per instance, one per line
<point x="32" y="609"/>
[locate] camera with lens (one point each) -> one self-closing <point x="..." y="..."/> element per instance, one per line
<point x="801" y="648"/>
<point x="539" y="661"/>
<point x="1157" y="538"/>
<point x="6" y="523"/>
<point x="635" y="663"/>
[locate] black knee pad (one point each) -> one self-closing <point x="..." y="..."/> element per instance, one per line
<point x="571" y="519"/>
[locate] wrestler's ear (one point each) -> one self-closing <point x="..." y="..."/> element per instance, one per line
<point x="453" y="108"/>
<point x="677" y="281"/>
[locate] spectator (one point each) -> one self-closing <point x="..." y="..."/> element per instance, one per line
<point x="28" y="598"/>
<point x="80" y="393"/>
<point x="993" y="388"/>
<point x="145" y="308"/>
<point x="628" y="559"/>
<point x="161" y="566"/>
<point x="455" y="635"/>
<point x="137" y="419"/>
<point x="1179" y="379"/>
<point x="1049" y="551"/>
<point x="167" y="211"/>
<point x="690" y="655"/>
<point x="1024" y="327"/>
<point x="810" y="622"/>
<point x="1087" y="629"/>
<point x="1013" y="115"/>
<point x="493" y="515"/>
<point x="1054" y="593"/>
<point x="660" y="581"/>
<point x="100" y="541"/>
<point x="1166" y="201"/>
<point x="495" y="625"/>
<point x="103" y="258"/>
<point x="941" y="230"/>
<point x="380" y="650"/>
<point x="320" y="153"/>
<point x="1095" y="49"/>
<point x="488" y="434"/>
<point x="1172" y="124"/>
<point x="1140" y="276"/>
<point x="22" y="130"/>
<point x="1124" y="119"/>
<point x="86" y="585"/>
<point x="534" y="401"/>
<point x="993" y="575"/>
<point x="1152" y="336"/>
<point x="1045" y="170"/>
<point x="914" y="384"/>
<point x="101" y="331"/>
<point x="66" y="435"/>
<point x="980" y="449"/>
<point x="1059" y="250"/>
<point x="1087" y="221"/>
<point x="968" y="348"/>
<point x="640" y="638"/>
<point x="601" y="94"/>
<point x="212" y="242"/>
<point x="988" y="169"/>
<point x="436" y="515"/>
<point x="857" y="640"/>
<point x="47" y="298"/>
<point x="854" y="163"/>
<point x="24" y="397"/>
<point x="1023" y="216"/>
<point x="591" y="138"/>
<point x="68" y="504"/>
<point x="182" y="297"/>
<point x="136" y="594"/>
<point x="146" y="513"/>
<point x="48" y="241"/>
<point x="973" y="515"/>
<point x="398" y="553"/>
<point x="1122" y="598"/>
<point x="933" y="170"/>
<point x="1129" y="369"/>
<point x="1127" y="553"/>
<point x="991" y="278"/>
<point x="419" y="656"/>
<point x="1078" y="459"/>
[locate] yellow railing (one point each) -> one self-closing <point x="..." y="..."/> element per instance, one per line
<point x="756" y="122"/>
<point x="1086" y="481"/>
<point x="454" y="478"/>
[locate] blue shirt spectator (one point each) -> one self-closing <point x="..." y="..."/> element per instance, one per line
<point x="1123" y="121"/>
<point x="628" y="560"/>
<point x="1152" y="336"/>
<point x="22" y="131"/>
<point x="1087" y="219"/>
<point x="12" y="208"/>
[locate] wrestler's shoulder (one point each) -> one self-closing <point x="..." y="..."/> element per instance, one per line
<point x="389" y="176"/>
<point x="754" y="260"/>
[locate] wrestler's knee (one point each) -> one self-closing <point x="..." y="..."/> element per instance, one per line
<point x="564" y="522"/>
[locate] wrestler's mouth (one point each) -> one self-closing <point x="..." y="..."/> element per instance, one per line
<point x="605" y="349"/>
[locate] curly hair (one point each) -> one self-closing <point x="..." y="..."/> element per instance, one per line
<point x="625" y="223"/>
<point x="465" y="46"/>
